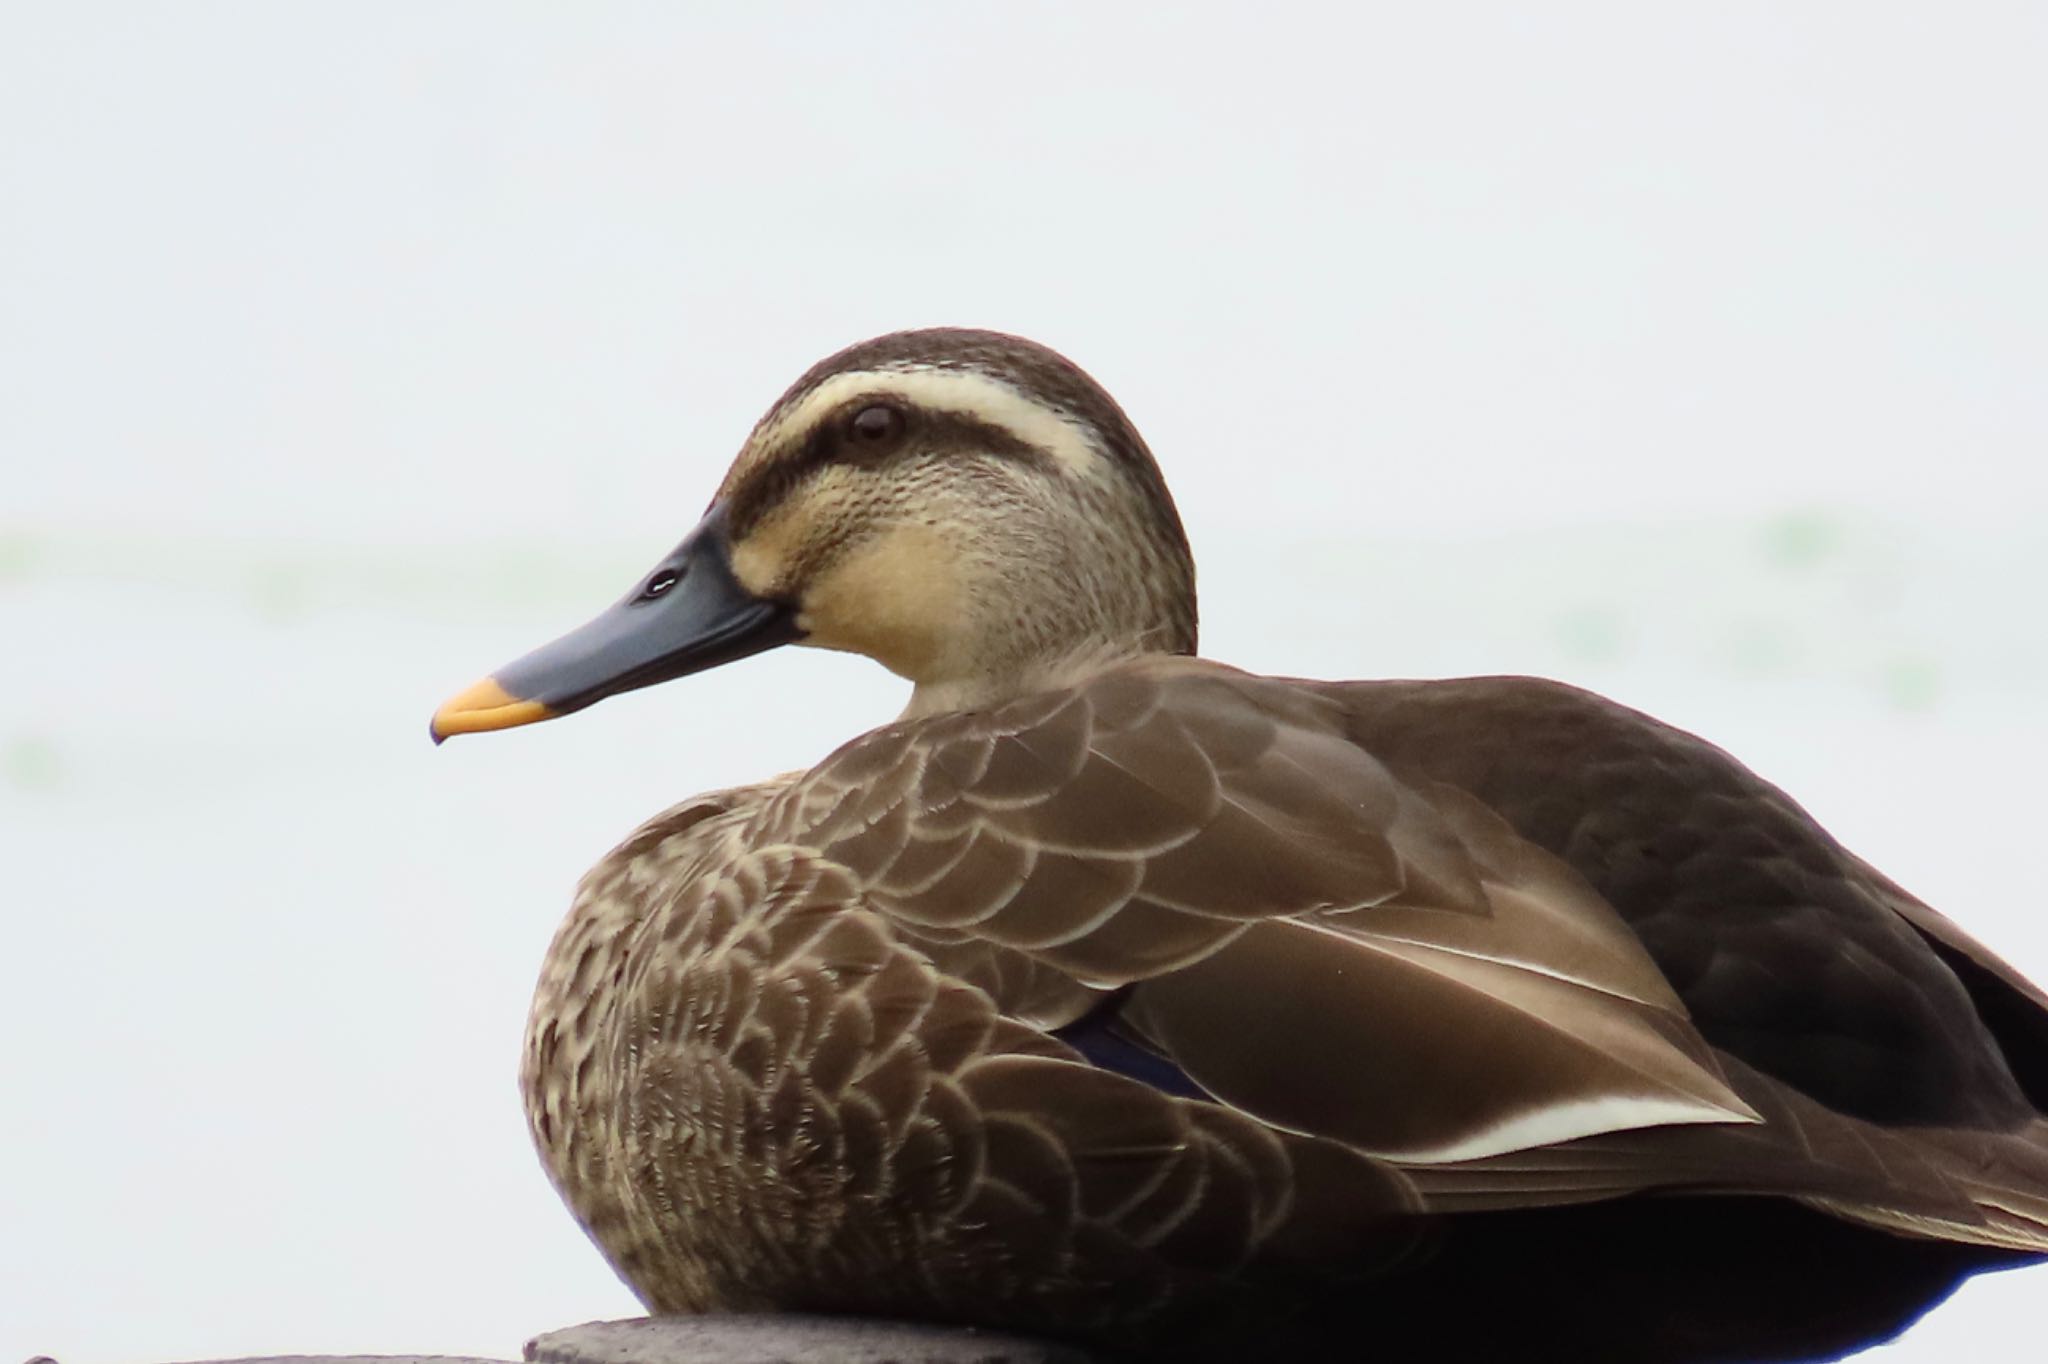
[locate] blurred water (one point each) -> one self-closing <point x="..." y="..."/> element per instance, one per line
<point x="269" y="950"/>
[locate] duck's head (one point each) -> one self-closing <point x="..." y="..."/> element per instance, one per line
<point x="969" y="509"/>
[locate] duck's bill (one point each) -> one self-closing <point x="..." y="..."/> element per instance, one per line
<point x="687" y="615"/>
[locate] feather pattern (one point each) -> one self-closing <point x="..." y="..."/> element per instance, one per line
<point x="833" y="1038"/>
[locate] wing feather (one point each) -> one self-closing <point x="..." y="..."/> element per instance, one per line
<point x="1339" y="952"/>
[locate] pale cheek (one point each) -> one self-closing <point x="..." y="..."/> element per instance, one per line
<point x="898" y="598"/>
<point x="757" y="566"/>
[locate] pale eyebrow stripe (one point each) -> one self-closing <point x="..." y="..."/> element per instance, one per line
<point x="965" y="393"/>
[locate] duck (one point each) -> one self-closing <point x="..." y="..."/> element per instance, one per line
<point x="1114" y="994"/>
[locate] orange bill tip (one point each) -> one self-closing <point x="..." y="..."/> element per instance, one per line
<point x="484" y="706"/>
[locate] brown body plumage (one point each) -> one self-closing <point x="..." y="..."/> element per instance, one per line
<point x="1119" y="994"/>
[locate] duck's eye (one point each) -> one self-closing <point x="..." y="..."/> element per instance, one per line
<point x="875" y="426"/>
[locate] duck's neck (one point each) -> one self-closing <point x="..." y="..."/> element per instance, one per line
<point x="1029" y="622"/>
<point x="985" y="689"/>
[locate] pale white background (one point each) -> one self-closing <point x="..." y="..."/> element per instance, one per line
<point x="1692" y="353"/>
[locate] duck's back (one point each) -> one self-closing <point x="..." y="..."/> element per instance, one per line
<point x="1790" y="953"/>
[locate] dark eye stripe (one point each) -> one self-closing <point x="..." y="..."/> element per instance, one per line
<point x="831" y="441"/>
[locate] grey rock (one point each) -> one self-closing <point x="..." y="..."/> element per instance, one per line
<point x="331" y="1359"/>
<point x="348" y="1359"/>
<point x="775" y="1339"/>
<point x="748" y="1339"/>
